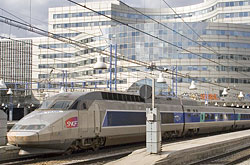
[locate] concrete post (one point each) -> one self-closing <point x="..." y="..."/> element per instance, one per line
<point x="153" y="126"/>
<point x="153" y="131"/>
<point x="11" y="109"/>
<point x="3" y="128"/>
<point x="25" y="111"/>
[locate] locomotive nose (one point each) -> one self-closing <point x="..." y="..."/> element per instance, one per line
<point x="23" y="137"/>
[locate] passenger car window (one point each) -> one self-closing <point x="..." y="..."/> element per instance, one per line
<point x="206" y="116"/>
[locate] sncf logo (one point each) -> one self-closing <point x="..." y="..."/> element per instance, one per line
<point x="72" y="122"/>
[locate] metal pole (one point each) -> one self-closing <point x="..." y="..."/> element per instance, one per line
<point x="63" y="78"/>
<point x="116" y="67"/>
<point x="207" y="96"/>
<point x="172" y="81"/>
<point x="66" y="80"/>
<point x="153" y="93"/>
<point x="176" y="81"/>
<point x="10" y="109"/>
<point x="25" y="110"/>
<point x="110" y="69"/>
<point x="72" y="85"/>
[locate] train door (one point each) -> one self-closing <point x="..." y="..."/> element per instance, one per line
<point x="97" y="120"/>
<point x="83" y="120"/>
<point x="56" y="130"/>
<point x="234" y="118"/>
<point x="202" y="117"/>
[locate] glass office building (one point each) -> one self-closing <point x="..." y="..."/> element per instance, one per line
<point x="212" y="47"/>
<point x="16" y="71"/>
<point x="208" y="53"/>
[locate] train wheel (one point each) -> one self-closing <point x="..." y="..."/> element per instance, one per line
<point x="98" y="142"/>
<point x="95" y="144"/>
<point x="73" y="147"/>
<point x="69" y="151"/>
<point x="165" y="136"/>
<point x="102" y="141"/>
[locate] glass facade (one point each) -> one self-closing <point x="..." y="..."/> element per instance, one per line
<point x="83" y="24"/>
<point x="16" y="66"/>
<point x="209" y="52"/>
<point x="139" y="46"/>
<point x="162" y="16"/>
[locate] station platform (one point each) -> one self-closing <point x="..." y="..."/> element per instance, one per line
<point x="189" y="151"/>
<point x="8" y="152"/>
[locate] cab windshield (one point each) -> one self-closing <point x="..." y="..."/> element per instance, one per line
<point x="60" y="104"/>
<point x="45" y="104"/>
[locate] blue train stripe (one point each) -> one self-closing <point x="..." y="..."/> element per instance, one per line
<point x="135" y="118"/>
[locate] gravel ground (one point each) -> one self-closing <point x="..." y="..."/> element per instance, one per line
<point x="247" y="162"/>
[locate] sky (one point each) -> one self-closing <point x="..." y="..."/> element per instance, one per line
<point x="39" y="11"/>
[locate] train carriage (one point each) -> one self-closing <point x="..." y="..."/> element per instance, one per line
<point x="208" y="119"/>
<point x="242" y="118"/>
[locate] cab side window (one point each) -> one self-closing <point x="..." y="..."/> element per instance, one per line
<point x="84" y="106"/>
<point x="75" y="105"/>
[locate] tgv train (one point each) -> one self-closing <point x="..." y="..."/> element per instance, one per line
<point x="71" y="121"/>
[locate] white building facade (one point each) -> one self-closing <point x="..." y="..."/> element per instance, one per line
<point x="217" y="40"/>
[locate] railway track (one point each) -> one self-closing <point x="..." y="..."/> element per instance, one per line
<point x="230" y="158"/>
<point x="26" y="159"/>
<point x="99" y="157"/>
<point x="104" y="155"/>
<point x="83" y="157"/>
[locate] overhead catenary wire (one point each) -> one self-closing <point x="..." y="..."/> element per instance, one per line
<point x="100" y="51"/>
<point x="208" y="48"/>
<point x="107" y="38"/>
<point x="33" y="44"/>
<point x="132" y="27"/>
<point x="167" y="27"/>
<point x="52" y="24"/>
<point x="137" y="11"/>
<point x="39" y="70"/>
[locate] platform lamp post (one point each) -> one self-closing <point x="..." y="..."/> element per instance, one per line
<point x="62" y="90"/>
<point x="99" y="63"/>
<point x="192" y="86"/>
<point x="241" y="97"/>
<point x="153" y="123"/>
<point x="10" y="93"/>
<point x="224" y="94"/>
